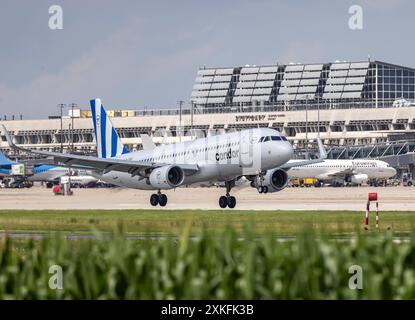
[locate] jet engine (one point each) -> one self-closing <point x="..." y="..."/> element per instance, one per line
<point x="359" y="178"/>
<point x="273" y="181"/>
<point x="166" y="177"/>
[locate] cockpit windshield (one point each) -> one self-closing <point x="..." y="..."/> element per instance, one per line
<point x="272" y="138"/>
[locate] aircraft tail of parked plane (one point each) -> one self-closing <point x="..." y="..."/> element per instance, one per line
<point x="4" y="161"/>
<point x="108" y="142"/>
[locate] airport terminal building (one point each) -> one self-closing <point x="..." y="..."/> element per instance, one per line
<point x="349" y="104"/>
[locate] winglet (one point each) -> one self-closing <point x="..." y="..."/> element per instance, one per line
<point x="8" y="138"/>
<point x="321" y="150"/>
<point x="147" y="142"/>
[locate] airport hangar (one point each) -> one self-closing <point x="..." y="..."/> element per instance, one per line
<point x="357" y="108"/>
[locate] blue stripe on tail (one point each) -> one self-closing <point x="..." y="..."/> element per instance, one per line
<point x="114" y="140"/>
<point x="94" y="118"/>
<point x="103" y="132"/>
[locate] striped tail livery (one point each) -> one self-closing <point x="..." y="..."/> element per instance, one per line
<point x="108" y="142"/>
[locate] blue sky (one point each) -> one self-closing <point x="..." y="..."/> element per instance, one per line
<point x="136" y="54"/>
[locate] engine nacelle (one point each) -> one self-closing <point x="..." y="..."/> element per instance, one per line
<point x="166" y="177"/>
<point x="275" y="180"/>
<point x="359" y="178"/>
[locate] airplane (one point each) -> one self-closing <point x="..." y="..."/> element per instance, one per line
<point x="260" y="154"/>
<point x="79" y="180"/>
<point x="351" y="171"/>
<point x="41" y="172"/>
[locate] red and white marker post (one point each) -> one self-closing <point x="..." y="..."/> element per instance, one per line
<point x="372" y="196"/>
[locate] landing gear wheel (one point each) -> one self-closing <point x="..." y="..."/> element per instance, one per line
<point x="154" y="199"/>
<point x="265" y="189"/>
<point x="223" y="202"/>
<point x="260" y="189"/>
<point x="162" y="200"/>
<point x="231" y="202"/>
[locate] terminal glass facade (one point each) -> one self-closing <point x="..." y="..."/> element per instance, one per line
<point x="372" y="83"/>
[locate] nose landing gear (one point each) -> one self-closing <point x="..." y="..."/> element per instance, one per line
<point x="262" y="189"/>
<point x="228" y="200"/>
<point x="158" y="198"/>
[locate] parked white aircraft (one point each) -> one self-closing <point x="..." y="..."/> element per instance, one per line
<point x="353" y="171"/>
<point x="80" y="180"/>
<point x="258" y="154"/>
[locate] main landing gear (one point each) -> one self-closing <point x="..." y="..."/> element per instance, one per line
<point x="228" y="200"/>
<point x="158" y="198"/>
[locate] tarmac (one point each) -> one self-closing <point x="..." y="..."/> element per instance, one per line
<point x="328" y="198"/>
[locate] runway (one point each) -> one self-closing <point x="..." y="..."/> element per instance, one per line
<point x="327" y="198"/>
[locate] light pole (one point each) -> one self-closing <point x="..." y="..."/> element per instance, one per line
<point x="73" y="105"/>
<point x="180" y="120"/>
<point x="191" y="119"/>
<point x="306" y="125"/>
<point x="61" y="106"/>
<point x="318" y="116"/>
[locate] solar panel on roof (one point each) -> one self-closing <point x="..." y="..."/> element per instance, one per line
<point x="290" y="83"/>
<point x="273" y="69"/>
<point x="262" y="91"/>
<point x="248" y="70"/>
<point x="245" y="84"/>
<point x="313" y="67"/>
<point x="340" y="66"/>
<point x="206" y="72"/>
<point x="295" y="67"/>
<point x="225" y="71"/>
<point x="262" y="84"/>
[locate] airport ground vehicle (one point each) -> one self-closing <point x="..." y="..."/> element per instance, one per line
<point x="306" y="182"/>
<point x="407" y="179"/>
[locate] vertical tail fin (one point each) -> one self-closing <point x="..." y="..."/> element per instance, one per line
<point x="4" y="161"/>
<point x="108" y="142"/>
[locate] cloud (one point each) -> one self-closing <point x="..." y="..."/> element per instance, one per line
<point x="125" y="59"/>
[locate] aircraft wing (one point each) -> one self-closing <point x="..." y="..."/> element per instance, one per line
<point x="101" y="164"/>
<point x="290" y="164"/>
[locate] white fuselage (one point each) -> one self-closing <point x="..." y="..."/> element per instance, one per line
<point x="218" y="158"/>
<point x="326" y="170"/>
<point x="79" y="180"/>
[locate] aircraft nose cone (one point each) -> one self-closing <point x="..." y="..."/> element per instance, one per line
<point x="287" y="151"/>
